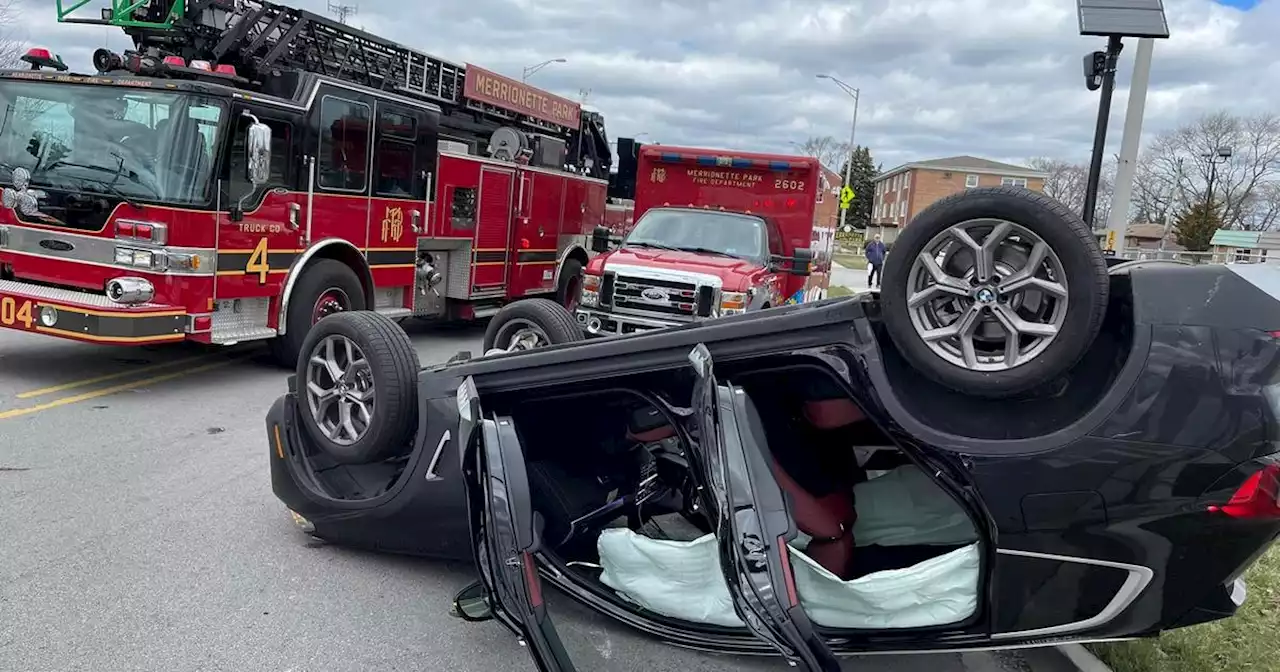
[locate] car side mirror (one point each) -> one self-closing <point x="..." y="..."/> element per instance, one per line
<point x="600" y="239"/>
<point x="258" y="153"/>
<point x="472" y="603"/>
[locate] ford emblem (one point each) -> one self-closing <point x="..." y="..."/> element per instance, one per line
<point x="57" y="245"/>
<point x="654" y="294"/>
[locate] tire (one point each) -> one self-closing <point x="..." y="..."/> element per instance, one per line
<point x="1073" y="254"/>
<point x="570" y="282"/>
<point x="391" y="365"/>
<point x="552" y="322"/>
<point x="321" y="277"/>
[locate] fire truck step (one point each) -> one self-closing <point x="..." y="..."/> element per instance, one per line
<point x="396" y="313"/>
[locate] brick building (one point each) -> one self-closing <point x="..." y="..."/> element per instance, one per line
<point x="906" y="190"/>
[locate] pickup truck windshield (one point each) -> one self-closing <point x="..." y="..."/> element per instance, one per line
<point x="131" y="143"/>
<point x="724" y="233"/>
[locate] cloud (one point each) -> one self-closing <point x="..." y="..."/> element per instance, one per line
<point x="994" y="78"/>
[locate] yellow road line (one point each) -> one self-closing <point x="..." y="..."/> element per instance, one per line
<point x="63" y="401"/>
<point x="112" y="376"/>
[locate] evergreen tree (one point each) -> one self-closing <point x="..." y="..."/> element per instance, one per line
<point x="1196" y="225"/>
<point x="860" y="179"/>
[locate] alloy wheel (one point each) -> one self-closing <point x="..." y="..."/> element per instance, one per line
<point x="987" y="295"/>
<point x="340" y="389"/>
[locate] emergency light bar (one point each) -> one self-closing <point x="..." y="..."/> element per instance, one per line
<point x="730" y="161"/>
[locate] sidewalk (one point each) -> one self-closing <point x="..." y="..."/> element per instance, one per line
<point x="851" y="278"/>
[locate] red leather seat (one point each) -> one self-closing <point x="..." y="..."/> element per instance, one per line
<point x="828" y="519"/>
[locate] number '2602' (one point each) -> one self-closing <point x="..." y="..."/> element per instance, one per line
<point x="14" y="312"/>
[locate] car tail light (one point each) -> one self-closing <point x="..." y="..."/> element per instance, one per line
<point x="1257" y="497"/>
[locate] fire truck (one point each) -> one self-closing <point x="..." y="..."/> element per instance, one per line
<point x="714" y="233"/>
<point x="249" y="168"/>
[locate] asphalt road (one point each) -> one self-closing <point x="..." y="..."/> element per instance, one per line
<point x="138" y="531"/>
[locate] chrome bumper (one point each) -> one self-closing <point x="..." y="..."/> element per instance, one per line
<point x="600" y="323"/>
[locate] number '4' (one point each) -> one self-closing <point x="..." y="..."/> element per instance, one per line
<point x="259" y="262"/>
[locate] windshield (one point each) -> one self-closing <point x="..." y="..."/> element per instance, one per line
<point x="723" y="233"/>
<point x="129" y="143"/>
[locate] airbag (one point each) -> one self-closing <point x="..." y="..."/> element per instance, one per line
<point x="682" y="579"/>
<point x="906" y="508"/>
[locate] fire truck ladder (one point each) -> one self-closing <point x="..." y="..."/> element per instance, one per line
<point x="262" y="38"/>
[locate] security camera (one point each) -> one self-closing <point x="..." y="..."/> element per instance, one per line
<point x="1094" y="65"/>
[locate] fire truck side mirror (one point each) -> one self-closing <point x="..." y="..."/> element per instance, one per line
<point x="600" y="239"/>
<point x="258" y="150"/>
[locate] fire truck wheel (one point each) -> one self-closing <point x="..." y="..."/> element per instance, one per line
<point x="326" y="287"/>
<point x="570" y="290"/>
<point x="358" y="387"/>
<point x="528" y="324"/>
<point x="994" y="291"/>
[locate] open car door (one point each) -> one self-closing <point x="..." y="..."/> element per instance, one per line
<point x="505" y="530"/>
<point x="753" y="521"/>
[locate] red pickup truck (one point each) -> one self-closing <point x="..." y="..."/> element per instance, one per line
<point x="715" y="233"/>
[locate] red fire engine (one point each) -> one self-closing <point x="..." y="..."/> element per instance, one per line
<point x="714" y="233"/>
<point x="249" y="168"/>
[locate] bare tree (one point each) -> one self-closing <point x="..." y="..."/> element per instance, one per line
<point x="827" y="150"/>
<point x="1174" y="172"/>
<point x="1067" y="183"/>
<point x="12" y="46"/>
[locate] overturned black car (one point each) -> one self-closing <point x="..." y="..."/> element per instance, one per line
<point x="1011" y="445"/>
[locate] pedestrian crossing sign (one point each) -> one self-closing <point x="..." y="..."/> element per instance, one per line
<point x="846" y="197"/>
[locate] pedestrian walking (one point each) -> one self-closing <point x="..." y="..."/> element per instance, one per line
<point x="875" y="260"/>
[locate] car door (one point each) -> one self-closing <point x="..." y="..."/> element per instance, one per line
<point x="505" y="529"/>
<point x="753" y="520"/>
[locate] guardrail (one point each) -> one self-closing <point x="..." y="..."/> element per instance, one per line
<point x="1233" y="257"/>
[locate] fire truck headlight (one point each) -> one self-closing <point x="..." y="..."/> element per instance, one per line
<point x="139" y="258"/>
<point x="48" y="316"/>
<point x="591" y="299"/>
<point x="590" y="290"/>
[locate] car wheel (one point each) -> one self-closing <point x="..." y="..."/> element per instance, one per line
<point x="358" y="387"/>
<point x="570" y="290"/>
<point x="994" y="291"/>
<point x="529" y="324"/>
<point x="327" y="287"/>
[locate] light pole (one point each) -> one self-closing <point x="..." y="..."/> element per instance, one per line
<point x="529" y="70"/>
<point x="853" y="130"/>
<point x="1219" y="155"/>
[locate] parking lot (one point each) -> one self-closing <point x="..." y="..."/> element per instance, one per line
<point x="140" y="533"/>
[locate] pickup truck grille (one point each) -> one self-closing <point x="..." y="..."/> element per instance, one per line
<point x="667" y="298"/>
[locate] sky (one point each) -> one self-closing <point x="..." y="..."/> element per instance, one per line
<point x="1000" y="79"/>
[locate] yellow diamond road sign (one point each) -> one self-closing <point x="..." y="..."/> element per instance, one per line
<point x="846" y="196"/>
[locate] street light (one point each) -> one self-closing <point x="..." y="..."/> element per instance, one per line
<point x="534" y="68"/>
<point x="853" y="130"/>
<point x="1219" y="155"/>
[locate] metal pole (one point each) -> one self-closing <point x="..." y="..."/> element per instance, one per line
<point x="848" y="164"/>
<point x="1168" y="208"/>
<point x="1100" y="131"/>
<point x="1118" y="222"/>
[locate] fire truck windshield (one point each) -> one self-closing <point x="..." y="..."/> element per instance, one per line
<point x="708" y="232"/>
<point x="135" y="144"/>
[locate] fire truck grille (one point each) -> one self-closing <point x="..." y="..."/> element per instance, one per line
<point x="657" y="297"/>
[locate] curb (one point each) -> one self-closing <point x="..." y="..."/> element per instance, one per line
<point x="1082" y="658"/>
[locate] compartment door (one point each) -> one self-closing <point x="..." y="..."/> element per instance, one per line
<point x="492" y="241"/>
<point x="753" y="523"/>
<point x="505" y="530"/>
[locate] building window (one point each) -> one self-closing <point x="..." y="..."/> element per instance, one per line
<point x="1013" y="182"/>
<point x="970" y="181"/>
<point x="902" y="209"/>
